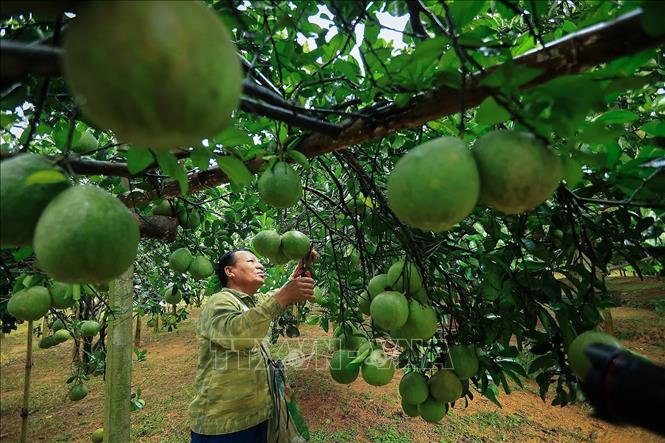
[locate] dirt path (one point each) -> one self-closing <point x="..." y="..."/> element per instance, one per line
<point x="357" y="412"/>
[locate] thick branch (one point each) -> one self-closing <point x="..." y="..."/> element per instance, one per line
<point x="576" y="52"/>
<point x="157" y="226"/>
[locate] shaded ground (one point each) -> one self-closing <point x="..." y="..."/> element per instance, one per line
<point x="335" y="413"/>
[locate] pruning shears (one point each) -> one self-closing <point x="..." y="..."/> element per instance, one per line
<point x="305" y="270"/>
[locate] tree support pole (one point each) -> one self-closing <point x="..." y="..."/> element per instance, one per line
<point x="25" y="412"/>
<point x="119" y="360"/>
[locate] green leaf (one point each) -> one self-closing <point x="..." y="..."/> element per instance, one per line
<point x="138" y="159"/>
<point x="22" y="253"/>
<point x="572" y="171"/>
<point x="654" y="128"/>
<point x="510" y="75"/>
<point x="233" y="136"/>
<point x="359" y="358"/>
<point x="201" y="158"/>
<point x="170" y="166"/>
<point x="463" y="12"/>
<point x="491" y="113"/>
<point x="235" y="170"/>
<point x="45" y="177"/>
<point x="299" y="158"/>
<point x="616" y="117"/>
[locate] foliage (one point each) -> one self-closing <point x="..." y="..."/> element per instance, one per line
<point x="504" y="283"/>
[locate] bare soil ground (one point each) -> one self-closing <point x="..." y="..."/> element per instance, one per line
<point x="334" y="413"/>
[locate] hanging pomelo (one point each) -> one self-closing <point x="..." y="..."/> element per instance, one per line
<point x="279" y="186"/>
<point x="266" y="243"/>
<point x="517" y="172"/>
<point x="29" y="304"/>
<point x="160" y="74"/>
<point x="435" y="185"/>
<point x="389" y="310"/>
<point x="295" y="244"/>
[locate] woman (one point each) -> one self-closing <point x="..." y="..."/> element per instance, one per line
<point x="232" y="401"/>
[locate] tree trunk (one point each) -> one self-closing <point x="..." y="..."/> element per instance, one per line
<point x="156" y="323"/>
<point x="137" y="333"/>
<point x="26" y="386"/>
<point x="119" y="360"/>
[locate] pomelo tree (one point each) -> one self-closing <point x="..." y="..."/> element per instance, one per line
<point x="504" y="155"/>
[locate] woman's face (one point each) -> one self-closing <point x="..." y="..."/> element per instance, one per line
<point x="247" y="272"/>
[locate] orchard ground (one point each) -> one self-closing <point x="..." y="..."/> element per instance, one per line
<point x="334" y="413"/>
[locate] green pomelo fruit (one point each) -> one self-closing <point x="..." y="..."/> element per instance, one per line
<point x="389" y="310"/>
<point x="404" y="278"/>
<point x="279" y="259"/>
<point x="78" y="392"/>
<point x="267" y="243"/>
<point x="578" y="361"/>
<point x="21" y="204"/>
<point x="86" y="235"/>
<point x="295" y="244"/>
<point x="180" y="260"/>
<point x="61" y="295"/>
<point x="463" y="360"/>
<point x="378" y="369"/>
<point x="409" y="409"/>
<point x="338" y="370"/>
<point x="280" y="186"/>
<point x="172" y="295"/>
<point x="188" y="219"/>
<point x="61" y="336"/>
<point x="201" y="268"/>
<point x="444" y="386"/>
<point x="90" y="328"/>
<point x="432" y="411"/>
<point x="47" y="342"/>
<point x="98" y="435"/>
<point x="377" y="285"/>
<point x="57" y="325"/>
<point x="435" y="185"/>
<point x="162" y="208"/>
<point x="364" y="302"/>
<point x="181" y="77"/>
<point x="30" y="304"/>
<point x="421" y="323"/>
<point x="517" y="172"/>
<point x="413" y="388"/>
<point x="86" y="142"/>
<point x="347" y="337"/>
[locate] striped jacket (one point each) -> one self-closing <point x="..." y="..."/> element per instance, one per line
<point x="232" y="391"/>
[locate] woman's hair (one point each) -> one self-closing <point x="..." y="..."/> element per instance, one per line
<point x="228" y="259"/>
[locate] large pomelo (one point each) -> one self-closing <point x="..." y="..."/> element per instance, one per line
<point x="159" y="74"/>
<point x="61" y="295"/>
<point x="61" y="336"/>
<point x="201" y="268"/>
<point x="445" y="386"/>
<point x="279" y="258"/>
<point x="413" y="388"/>
<point x="517" y="172"/>
<point x="338" y="370"/>
<point x="266" y="243"/>
<point x="180" y="260"/>
<point x="295" y="244"/>
<point x="98" y="435"/>
<point x="578" y="361"/>
<point x="464" y="361"/>
<point x="404" y="278"/>
<point x="188" y="218"/>
<point x="364" y="302"/>
<point x="162" y="208"/>
<point x="86" y="235"/>
<point x="172" y="295"/>
<point x="29" y="304"/>
<point x="389" y="310"/>
<point x="46" y="342"/>
<point x="410" y="409"/>
<point x="90" y="328"/>
<point x="57" y="325"/>
<point x="378" y="369"/>
<point x="22" y="204"/>
<point x="432" y="410"/>
<point x="279" y="186"/>
<point x="86" y="142"/>
<point x="435" y="185"/>
<point x="377" y="285"/>
<point x="78" y="392"/>
<point x="421" y="323"/>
